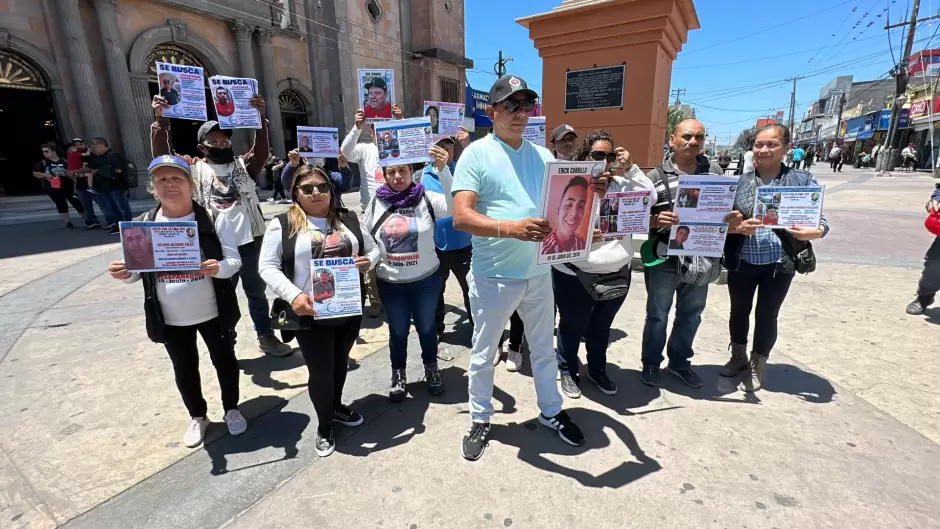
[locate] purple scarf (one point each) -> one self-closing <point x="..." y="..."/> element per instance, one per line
<point x="408" y="198"/>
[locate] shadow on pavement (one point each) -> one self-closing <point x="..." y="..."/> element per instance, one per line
<point x="790" y="379"/>
<point x="51" y="236"/>
<point x="534" y="441"/>
<point x="282" y="429"/>
<point x="932" y="315"/>
<point x="631" y="393"/>
<point x="260" y="369"/>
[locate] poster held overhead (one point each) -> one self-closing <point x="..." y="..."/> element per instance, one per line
<point x="232" y="99"/>
<point x="535" y="131"/>
<point x="160" y="246"/>
<point x="184" y="88"/>
<point x="568" y="206"/>
<point x="446" y="118"/>
<point x="404" y="141"/>
<point x="377" y="94"/>
<point x="318" y="142"/>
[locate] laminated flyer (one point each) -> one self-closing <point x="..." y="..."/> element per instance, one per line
<point x="377" y="93"/>
<point x="184" y="88"/>
<point x="535" y="131"/>
<point x="335" y="288"/>
<point x="318" y="142"/>
<point x="624" y="213"/>
<point x="568" y="205"/>
<point x="446" y="118"/>
<point x="702" y="238"/>
<point x="232" y="98"/>
<point x="403" y="141"/>
<point x="160" y="246"/>
<point x="788" y="207"/>
<point x="703" y="197"/>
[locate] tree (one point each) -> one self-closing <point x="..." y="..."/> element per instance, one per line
<point x="746" y="139"/>
<point x="676" y="116"/>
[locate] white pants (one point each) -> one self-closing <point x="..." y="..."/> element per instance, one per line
<point x="493" y="301"/>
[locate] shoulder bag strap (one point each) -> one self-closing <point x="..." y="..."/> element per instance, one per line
<point x="427" y="202"/>
<point x="352" y="224"/>
<point x="288" y="246"/>
<point x="382" y="218"/>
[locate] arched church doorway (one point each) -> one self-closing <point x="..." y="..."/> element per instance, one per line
<point x="27" y="120"/>
<point x="293" y="114"/>
<point x="183" y="131"/>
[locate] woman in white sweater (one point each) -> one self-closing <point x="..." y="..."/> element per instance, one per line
<point x="316" y="228"/>
<point x="178" y="304"/>
<point x="579" y="313"/>
<point x="402" y="218"/>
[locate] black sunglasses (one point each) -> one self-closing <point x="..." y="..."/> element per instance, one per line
<point x="513" y="105"/>
<point x="610" y="157"/>
<point x="307" y="189"/>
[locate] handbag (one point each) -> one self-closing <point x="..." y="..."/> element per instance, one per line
<point x="604" y="287"/>
<point x="800" y="252"/>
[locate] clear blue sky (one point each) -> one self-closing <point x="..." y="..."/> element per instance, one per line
<point x="737" y="60"/>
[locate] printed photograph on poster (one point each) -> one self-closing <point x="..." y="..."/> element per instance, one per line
<point x="788" y="207"/>
<point x="446" y="118"/>
<point x="568" y="205"/>
<point x="232" y="99"/>
<point x="318" y="142"/>
<point x="706" y="239"/>
<point x="403" y="141"/>
<point x="398" y="235"/>
<point x="535" y="131"/>
<point x="705" y="197"/>
<point x="184" y="88"/>
<point x="624" y="213"/>
<point x="160" y="246"/>
<point x="377" y="93"/>
<point x="335" y="288"/>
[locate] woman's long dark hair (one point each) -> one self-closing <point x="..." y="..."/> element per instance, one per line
<point x="591" y="139"/>
<point x="296" y="214"/>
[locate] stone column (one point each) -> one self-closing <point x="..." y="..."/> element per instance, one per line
<point x="140" y="86"/>
<point x="246" y="67"/>
<point x="133" y="133"/>
<point x="80" y="67"/>
<point x="269" y="91"/>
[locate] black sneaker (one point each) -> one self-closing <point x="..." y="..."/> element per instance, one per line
<point x="917" y="307"/>
<point x="69" y="226"/>
<point x="650" y="376"/>
<point x="114" y="230"/>
<point x="346" y="416"/>
<point x="432" y="376"/>
<point x="567" y="430"/>
<point x="93" y="226"/>
<point x="474" y="443"/>
<point x="397" y="390"/>
<point x="603" y="383"/>
<point x="687" y="376"/>
<point x="569" y="386"/>
<point x="326" y="443"/>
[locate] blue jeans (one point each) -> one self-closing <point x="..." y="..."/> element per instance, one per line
<point x="88" y="201"/>
<point x="662" y="284"/>
<point x="580" y="315"/>
<point x="404" y="301"/>
<point x="118" y="206"/>
<point x="254" y="288"/>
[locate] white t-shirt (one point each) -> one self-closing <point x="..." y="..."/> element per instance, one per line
<point x="225" y="199"/>
<point x="188" y="297"/>
<point x="316" y="243"/>
<point x="366" y="155"/>
<point x="406" y="237"/>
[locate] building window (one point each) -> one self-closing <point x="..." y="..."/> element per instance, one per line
<point x="450" y="90"/>
<point x="375" y="10"/>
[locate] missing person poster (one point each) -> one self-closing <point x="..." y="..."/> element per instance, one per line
<point x="624" y="213"/>
<point x="160" y="246"/>
<point x="184" y="88"/>
<point x="318" y="142"/>
<point x="404" y="141"/>
<point x="788" y="207"/>
<point x="568" y="206"/>
<point x="702" y="238"/>
<point x="335" y="288"/>
<point x="705" y="197"/>
<point x="446" y="118"/>
<point x="535" y="131"/>
<point x="377" y="93"/>
<point x="232" y="98"/>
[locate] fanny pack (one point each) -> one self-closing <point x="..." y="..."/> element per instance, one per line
<point x="800" y="252"/>
<point x="603" y="287"/>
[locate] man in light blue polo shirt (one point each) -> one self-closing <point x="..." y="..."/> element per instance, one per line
<point x="497" y="191"/>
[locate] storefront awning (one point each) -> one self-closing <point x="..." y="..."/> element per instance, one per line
<point x="865" y="135"/>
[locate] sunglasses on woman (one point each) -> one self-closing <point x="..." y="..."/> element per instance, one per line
<point x="513" y="105"/>
<point x="307" y="189"/>
<point x="598" y="156"/>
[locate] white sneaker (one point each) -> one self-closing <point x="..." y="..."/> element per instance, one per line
<point x="236" y="422"/>
<point x="513" y="361"/>
<point x="271" y="200"/>
<point x="196" y="432"/>
<point x="500" y="352"/>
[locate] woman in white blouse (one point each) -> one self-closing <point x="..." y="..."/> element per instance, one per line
<point x="178" y="304"/>
<point x="316" y="228"/>
<point x="402" y="219"/>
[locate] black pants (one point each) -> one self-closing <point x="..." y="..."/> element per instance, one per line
<point x="581" y="315"/>
<point x="516" y="331"/>
<point x="63" y="197"/>
<point x="929" y="283"/>
<point x="834" y="163"/>
<point x="326" y="351"/>
<point x="181" y="346"/>
<point x="278" y="188"/>
<point x="458" y="262"/>
<point x="771" y="288"/>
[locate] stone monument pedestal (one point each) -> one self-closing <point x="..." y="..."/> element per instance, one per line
<point x="644" y="36"/>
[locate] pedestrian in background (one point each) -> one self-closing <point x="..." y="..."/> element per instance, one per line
<point x="835" y="158"/>
<point x="180" y="304"/>
<point x="110" y="181"/>
<point x="78" y="170"/>
<point x="930" y="277"/>
<point x="52" y="170"/>
<point x="797" y="157"/>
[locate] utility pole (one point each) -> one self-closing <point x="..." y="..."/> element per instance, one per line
<point x="679" y="92"/>
<point x="500" y="67"/>
<point x="888" y="163"/>
<point x="841" y="109"/>
<point x="792" y="101"/>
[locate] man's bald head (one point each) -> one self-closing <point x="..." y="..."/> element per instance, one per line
<point x="688" y="139"/>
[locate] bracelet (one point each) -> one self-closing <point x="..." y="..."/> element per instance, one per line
<point x="498" y="234"/>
